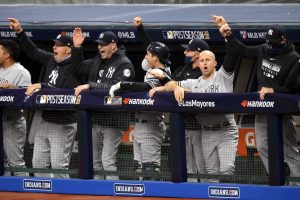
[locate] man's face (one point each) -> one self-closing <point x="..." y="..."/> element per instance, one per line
<point x="207" y="63"/>
<point x="194" y="55"/>
<point x="107" y="50"/>
<point x="61" y="52"/>
<point x="151" y="59"/>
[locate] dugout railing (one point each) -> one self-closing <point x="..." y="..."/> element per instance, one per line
<point x="275" y="105"/>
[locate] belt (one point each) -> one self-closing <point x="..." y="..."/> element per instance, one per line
<point x="215" y="127"/>
<point x="141" y="121"/>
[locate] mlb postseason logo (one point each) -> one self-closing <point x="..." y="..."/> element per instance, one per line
<point x="116" y="101"/>
<point x="129" y="189"/>
<point x="43" y="185"/>
<point x="224" y="192"/>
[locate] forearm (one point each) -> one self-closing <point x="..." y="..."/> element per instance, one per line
<point x="171" y="85"/>
<point x="144" y="36"/>
<point x="135" y="86"/>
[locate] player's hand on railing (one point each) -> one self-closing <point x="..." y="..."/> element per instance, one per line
<point x="81" y="88"/>
<point x="78" y="37"/>
<point x="218" y="20"/>
<point x="114" y="88"/>
<point x="33" y="88"/>
<point x="263" y="91"/>
<point x="137" y="21"/>
<point x="179" y="94"/>
<point x="15" y="25"/>
<point x="152" y="92"/>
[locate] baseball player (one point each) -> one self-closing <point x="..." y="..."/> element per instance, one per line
<point x="109" y="67"/>
<point x="194" y="154"/>
<point x="150" y="129"/>
<point x="13" y="75"/>
<point x="219" y="131"/>
<point x="56" y="132"/>
<point x="274" y="63"/>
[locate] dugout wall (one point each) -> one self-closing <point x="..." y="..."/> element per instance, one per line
<point x="173" y="25"/>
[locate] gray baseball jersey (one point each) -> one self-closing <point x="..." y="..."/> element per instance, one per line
<point x="14" y="124"/>
<point x="149" y="129"/>
<point x="219" y="131"/>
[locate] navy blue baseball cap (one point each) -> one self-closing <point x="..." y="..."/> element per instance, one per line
<point x="275" y="33"/>
<point x="196" y="45"/>
<point x="107" y="37"/>
<point x="160" y="50"/>
<point x="64" y="40"/>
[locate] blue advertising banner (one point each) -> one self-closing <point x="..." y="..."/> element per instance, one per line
<point x="163" y="101"/>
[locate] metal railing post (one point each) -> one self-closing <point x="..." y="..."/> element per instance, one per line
<point x="85" y="145"/>
<point x="275" y="150"/>
<point x="178" y="155"/>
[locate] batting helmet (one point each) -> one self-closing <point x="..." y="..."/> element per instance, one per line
<point x="161" y="51"/>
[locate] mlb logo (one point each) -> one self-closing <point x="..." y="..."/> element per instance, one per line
<point x="108" y="100"/>
<point x="41" y="99"/>
<point x="244" y="34"/>
<point x="170" y="35"/>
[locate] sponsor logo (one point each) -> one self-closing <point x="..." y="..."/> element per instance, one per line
<point x="224" y="192"/>
<point x="134" y="189"/>
<point x="148" y="102"/>
<point x="58" y="99"/>
<point x="37" y="185"/>
<point x="126" y="34"/>
<point x="183" y="35"/>
<point x="108" y="100"/>
<point x="252" y="35"/>
<point x="7" y="98"/>
<point x="13" y="34"/>
<point x="195" y="103"/>
<point x="257" y="104"/>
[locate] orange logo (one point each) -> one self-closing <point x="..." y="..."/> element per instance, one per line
<point x="244" y="103"/>
<point x="126" y="100"/>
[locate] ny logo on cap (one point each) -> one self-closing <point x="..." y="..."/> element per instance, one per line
<point x="59" y="36"/>
<point x="101" y="35"/>
<point x="270" y="32"/>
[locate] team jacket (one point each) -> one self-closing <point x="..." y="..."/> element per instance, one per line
<point x="273" y="65"/>
<point x="103" y="72"/>
<point x="186" y="72"/>
<point x="55" y="75"/>
<point x="101" y="75"/>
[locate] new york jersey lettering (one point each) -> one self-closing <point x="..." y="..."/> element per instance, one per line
<point x="53" y="76"/>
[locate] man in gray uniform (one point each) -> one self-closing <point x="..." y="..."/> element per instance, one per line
<point x="55" y="134"/>
<point x="13" y="75"/>
<point x="219" y="131"/>
<point x="150" y="129"/>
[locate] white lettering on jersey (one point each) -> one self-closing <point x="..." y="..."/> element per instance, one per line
<point x="212" y="89"/>
<point x="110" y="72"/>
<point x="270" y="69"/>
<point x="2" y="80"/>
<point x="101" y="73"/>
<point x="53" y="76"/>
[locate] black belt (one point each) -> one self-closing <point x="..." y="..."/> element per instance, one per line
<point x="141" y="121"/>
<point x="215" y="127"/>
